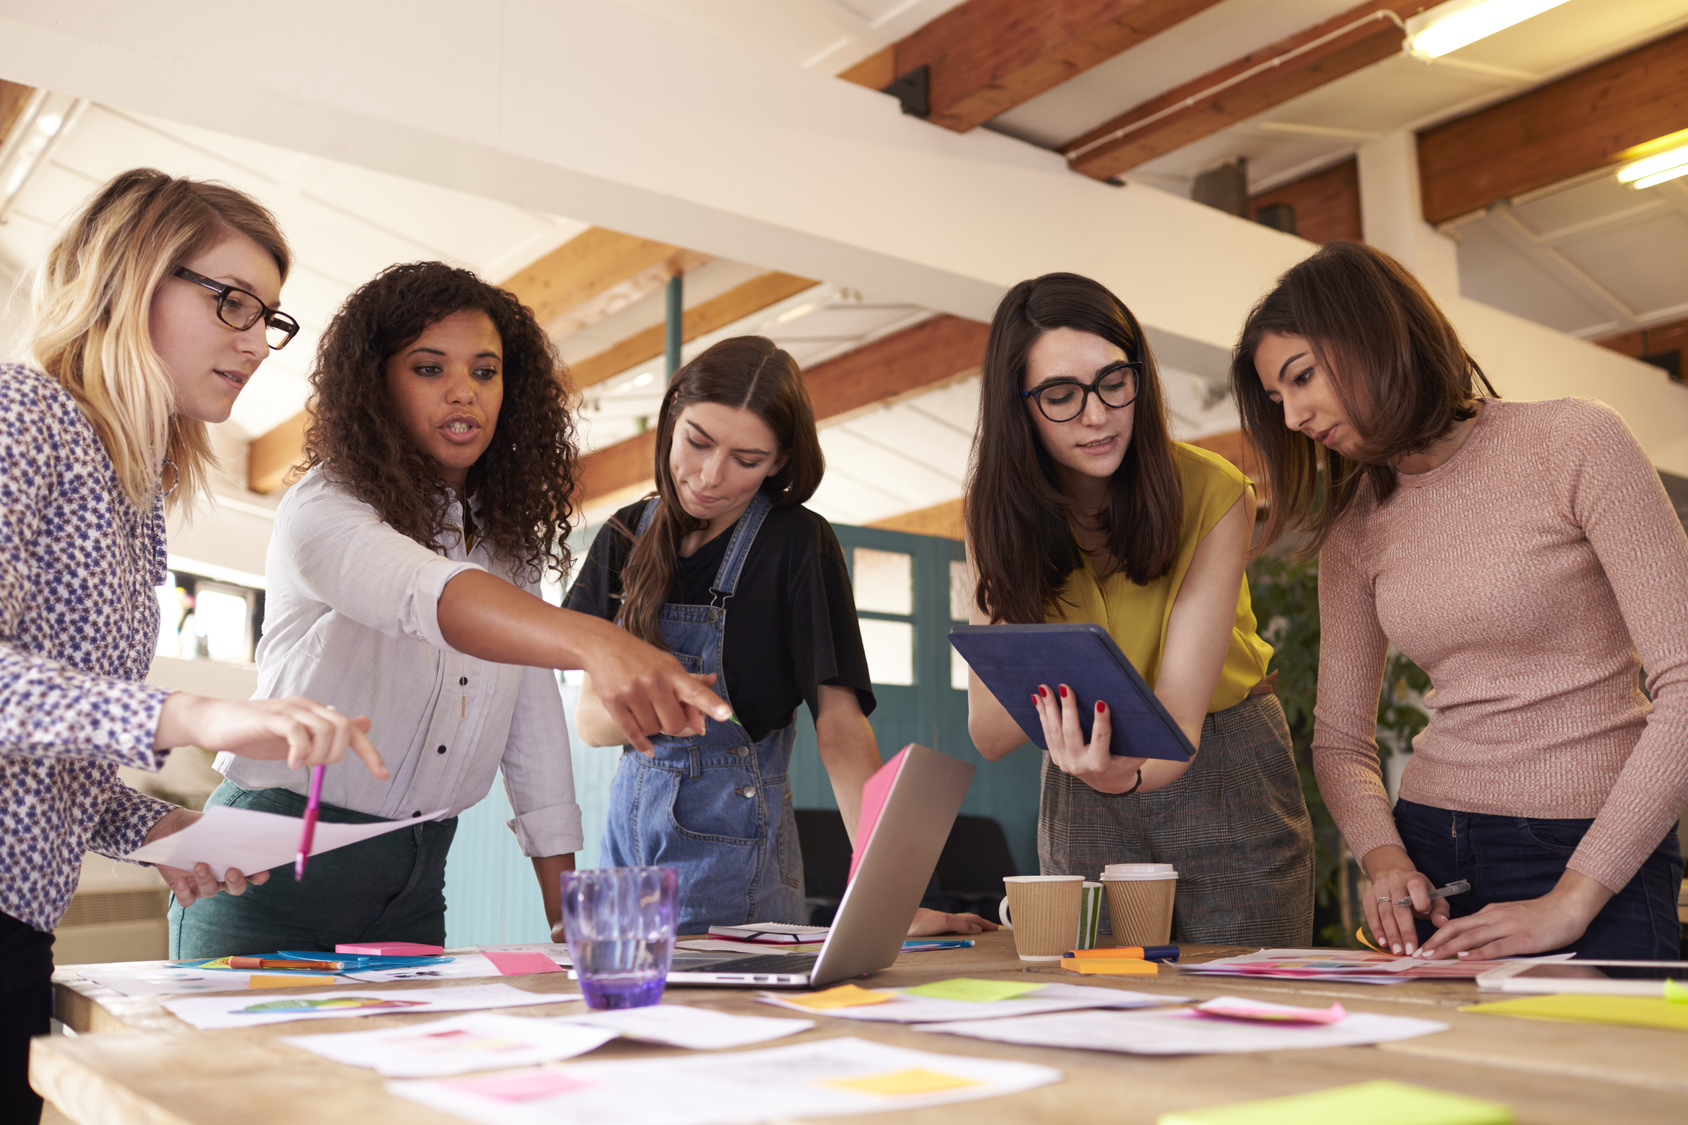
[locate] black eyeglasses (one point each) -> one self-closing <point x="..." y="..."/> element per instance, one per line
<point x="240" y="310"/>
<point x="1062" y="400"/>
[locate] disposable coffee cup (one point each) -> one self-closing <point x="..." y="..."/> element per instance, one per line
<point x="1043" y="912"/>
<point x="1140" y="902"/>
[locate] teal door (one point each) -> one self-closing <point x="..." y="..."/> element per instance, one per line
<point x="909" y="589"/>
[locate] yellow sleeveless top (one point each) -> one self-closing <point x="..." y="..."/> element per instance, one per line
<point x="1136" y="616"/>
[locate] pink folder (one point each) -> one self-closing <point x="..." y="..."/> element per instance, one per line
<point x="874" y="792"/>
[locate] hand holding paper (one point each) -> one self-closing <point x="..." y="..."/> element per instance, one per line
<point x="244" y="840"/>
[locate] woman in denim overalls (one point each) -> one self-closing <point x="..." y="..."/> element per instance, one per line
<point x="736" y="442"/>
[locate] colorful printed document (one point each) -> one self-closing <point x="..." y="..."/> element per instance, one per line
<point x="460" y="966"/>
<point x="250" y="841"/>
<point x="210" y="1012"/>
<point x="826" y="1078"/>
<point x="1374" y="1103"/>
<point x="1184" y="1032"/>
<point x="154" y="979"/>
<point x="1635" y="1011"/>
<point x="911" y="1006"/>
<point x="483" y="1041"/>
<point x="696" y="1029"/>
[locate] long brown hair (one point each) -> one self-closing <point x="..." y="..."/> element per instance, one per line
<point x="93" y="301"/>
<point x="1397" y="367"/>
<point x="747" y="372"/>
<point x="1017" y="518"/>
<point x="525" y="481"/>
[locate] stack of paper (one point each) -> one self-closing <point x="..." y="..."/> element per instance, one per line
<point x="208" y="1012"/>
<point x="825" y="1078"/>
<point x="962" y="999"/>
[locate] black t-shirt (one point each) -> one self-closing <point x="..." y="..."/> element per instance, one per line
<point x="791" y="626"/>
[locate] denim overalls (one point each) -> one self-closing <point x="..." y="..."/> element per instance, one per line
<point x="716" y="806"/>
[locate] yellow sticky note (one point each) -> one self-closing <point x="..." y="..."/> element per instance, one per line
<point x="1636" y="1011"/>
<point x="975" y="990"/>
<point x="297" y="980"/>
<point x="1675" y="992"/>
<point x="844" y="996"/>
<point x="903" y="1083"/>
<point x="1110" y="966"/>
<point x="1374" y="1103"/>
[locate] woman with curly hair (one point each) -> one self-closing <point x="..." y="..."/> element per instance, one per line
<point x="402" y="579"/>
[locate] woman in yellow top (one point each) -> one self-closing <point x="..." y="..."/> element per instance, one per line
<point x="1082" y="508"/>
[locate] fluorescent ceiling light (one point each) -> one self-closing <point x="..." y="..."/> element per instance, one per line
<point x="1448" y="27"/>
<point x="1655" y="169"/>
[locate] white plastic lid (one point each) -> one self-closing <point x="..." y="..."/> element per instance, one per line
<point x="1139" y="871"/>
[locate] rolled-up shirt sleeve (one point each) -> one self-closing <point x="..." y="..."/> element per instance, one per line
<point x="125" y="820"/>
<point x="539" y="772"/>
<point x="347" y="557"/>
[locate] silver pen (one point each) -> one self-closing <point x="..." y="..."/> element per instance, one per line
<point x="1458" y="887"/>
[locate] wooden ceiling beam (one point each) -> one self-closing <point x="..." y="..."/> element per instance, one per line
<point x="274" y="453"/>
<point x="14" y="98"/>
<point x="1577" y="124"/>
<point x="1326" y="203"/>
<point x="1250" y="85"/>
<point x="985" y="57"/>
<point x="708" y="316"/>
<point x="898" y="366"/>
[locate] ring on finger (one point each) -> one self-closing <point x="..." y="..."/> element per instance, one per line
<point x="1384" y="898"/>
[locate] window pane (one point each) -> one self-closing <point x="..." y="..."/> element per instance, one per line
<point x="961" y="591"/>
<point x="958" y="671"/>
<point x="884" y="581"/>
<point x="223" y="620"/>
<point x="890" y="651"/>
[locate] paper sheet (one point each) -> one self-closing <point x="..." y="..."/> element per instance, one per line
<point x="1375" y="1103"/>
<point x="696" y="1029"/>
<point x="825" y="1078"/>
<point x="1185" y="1033"/>
<point x="483" y="1041"/>
<point x="462" y="966"/>
<point x="904" y="1007"/>
<point x="251" y="841"/>
<point x="1351" y="966"/>
<point x="172" y="980"/>
<point x="555" y="950"/>
<point x="1636" y="1011"/>
<point x="209" y="1012"/>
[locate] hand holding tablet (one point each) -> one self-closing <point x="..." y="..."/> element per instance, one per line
<point x="1014" y="661"/>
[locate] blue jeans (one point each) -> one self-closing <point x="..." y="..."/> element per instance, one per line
<point x="1510" y="858"/>
<point x="390" y="888"/>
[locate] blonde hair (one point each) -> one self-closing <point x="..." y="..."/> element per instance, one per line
<point x="92" y="302"/>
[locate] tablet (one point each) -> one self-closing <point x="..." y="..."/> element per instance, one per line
<point x="1013" y="660"/>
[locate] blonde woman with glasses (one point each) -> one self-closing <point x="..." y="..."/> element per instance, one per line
<point x="154" y="308"/>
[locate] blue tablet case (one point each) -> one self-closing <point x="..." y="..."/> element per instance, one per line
<point x="1013" y="660"/>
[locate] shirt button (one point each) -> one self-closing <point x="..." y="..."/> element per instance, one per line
<point x="441" y="750"/>
<point x="461" y="680"/>
<point x="125" y="740"/>
<point x="416" y="812"/>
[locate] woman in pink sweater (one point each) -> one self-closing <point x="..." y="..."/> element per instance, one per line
<point x="1525" y="555"/>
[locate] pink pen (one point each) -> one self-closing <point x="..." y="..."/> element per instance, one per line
<point x="305" y="836"/>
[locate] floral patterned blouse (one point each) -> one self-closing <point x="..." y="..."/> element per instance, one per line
<point x="78" y="627"/>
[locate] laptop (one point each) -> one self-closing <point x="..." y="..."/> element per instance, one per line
<point x="891" y="876"/>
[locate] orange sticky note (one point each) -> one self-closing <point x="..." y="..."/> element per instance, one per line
<point x="844" y="996"/>
<point x="1110" y="966"/>
<point x="298" y="980"/>
<point x="902" y="1083"/>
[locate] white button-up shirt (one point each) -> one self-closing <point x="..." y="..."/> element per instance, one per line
<point x="351" y="619"/>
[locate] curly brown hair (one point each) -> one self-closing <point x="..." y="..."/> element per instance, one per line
<point x="525" y="480"/>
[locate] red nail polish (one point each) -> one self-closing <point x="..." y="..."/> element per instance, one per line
<point x="1043" y="689"/>
<point x="1063" y="691"/>
<point x="1037" y="699"/>
<point x="1100" y="707"/>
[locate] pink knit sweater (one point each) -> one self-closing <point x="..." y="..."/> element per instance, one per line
<point x="1524" y="574"/>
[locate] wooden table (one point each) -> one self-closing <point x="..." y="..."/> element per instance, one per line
<point x="143" y="1065"/>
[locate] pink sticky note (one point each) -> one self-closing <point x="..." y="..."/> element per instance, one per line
<point x="520" y="1087"/>
<point x="390" y="948"/>
<point x="1232" y="1008"/>
<point x="516" y="964"/>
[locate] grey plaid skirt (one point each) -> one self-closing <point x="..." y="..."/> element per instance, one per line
<point x="1235" y="825"/>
